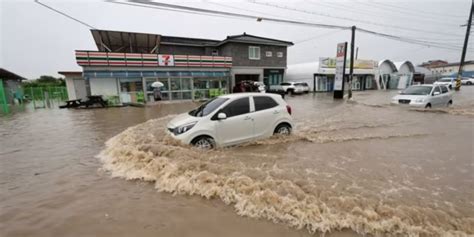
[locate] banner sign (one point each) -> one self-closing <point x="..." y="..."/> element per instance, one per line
<point x="326" y="63"/>
<point x="340" y="66"/>
<point x="165" y="60"/>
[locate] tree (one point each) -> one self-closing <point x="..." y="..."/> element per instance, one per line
<point x="45" y="81"/>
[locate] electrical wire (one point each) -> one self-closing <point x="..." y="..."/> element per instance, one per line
<point x="171" y="7"/>
<point x="413" y="11"/>
<point x="351" y="19"/>
<point x="223" y="13"/>
<point x="352" y="9"/>
<point x="317" y="37"/>
<point x="65" y="14"/>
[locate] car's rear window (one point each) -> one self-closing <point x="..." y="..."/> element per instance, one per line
<point x="264" y="102"/>
<point x="285" y="84"/>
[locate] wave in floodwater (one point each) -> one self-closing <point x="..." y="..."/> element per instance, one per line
<point x="463" y="111"/>
<point x="144" y="152"/>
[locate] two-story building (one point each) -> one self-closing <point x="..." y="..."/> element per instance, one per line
<point x="127" y="64"/>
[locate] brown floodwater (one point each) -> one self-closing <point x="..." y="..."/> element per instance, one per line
<point x="361" y="167"/>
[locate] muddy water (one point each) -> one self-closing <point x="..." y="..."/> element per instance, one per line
<point x="351" y="167"/>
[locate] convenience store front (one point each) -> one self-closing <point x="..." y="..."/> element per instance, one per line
<point x="184" y="77"/>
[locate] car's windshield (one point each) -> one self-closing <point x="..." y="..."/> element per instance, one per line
<point x="417" y="90"/>
<point x="208" y="107"/>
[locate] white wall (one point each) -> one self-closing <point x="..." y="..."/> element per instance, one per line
<point x="71" y="93"/>
<point x="103" y="86"/>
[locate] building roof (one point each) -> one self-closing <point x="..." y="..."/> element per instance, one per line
<point x="132" y="42"/>
<point x="71" y="73"/>
<point x="7" y="75"/>
<point x="246" y="38"/>
<point x="453" y="64"/>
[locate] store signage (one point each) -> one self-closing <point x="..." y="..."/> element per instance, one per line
<point x="327" y="63"/>
<point x="340" y="67"/>
<point x="165" y="60"/>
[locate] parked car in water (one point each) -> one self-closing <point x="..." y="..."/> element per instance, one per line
<point x="233" y="119"/>
<point x="292" y="88"/>
<point x="304" y="85"/>
<point x="425" y="96"/>
<point x="467" y="81"/>
<point x="450" y="82"/>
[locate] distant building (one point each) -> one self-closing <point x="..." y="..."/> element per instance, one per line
<point x="11" y="84"/>
<point x="76" y="86"/>
<point x="451" y="69"/>
<point x="433" y="63"/>
<point x="368" y="74"/>
<point x="127" y="64"/>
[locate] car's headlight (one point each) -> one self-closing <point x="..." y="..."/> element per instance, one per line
<point x="420" y="100"/>
<point x="184" y="128"/>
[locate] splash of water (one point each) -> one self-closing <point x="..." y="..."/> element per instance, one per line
<point x="144" y="152"/>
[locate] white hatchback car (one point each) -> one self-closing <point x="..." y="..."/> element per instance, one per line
<point x="233" y="119"/>
<point x="425" y="96"/>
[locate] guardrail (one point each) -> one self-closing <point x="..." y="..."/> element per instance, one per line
<point x="91" y="58"/>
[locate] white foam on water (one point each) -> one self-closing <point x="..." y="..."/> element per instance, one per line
<point x="144" y="152"/>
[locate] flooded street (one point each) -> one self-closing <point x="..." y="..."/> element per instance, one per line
<point x="362" y="166"/>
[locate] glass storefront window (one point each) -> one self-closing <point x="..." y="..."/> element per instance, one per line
<point x="175" y="84"/>
<point x="186" y="83"/>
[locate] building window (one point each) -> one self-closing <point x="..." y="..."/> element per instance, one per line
<point x="280" y="54"/>
<point x="215" y="52"/>
<point x="268" y="54"/>
<point x="254" y="52"/>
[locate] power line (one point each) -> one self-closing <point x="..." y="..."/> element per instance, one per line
<point x="413" y="11"/>
<point x="64" y="14"/>
<point x="173" y="7"/>
<point x="317" y="37"/>
<point x="352" y="9"/>
<point x="349" y="19"/>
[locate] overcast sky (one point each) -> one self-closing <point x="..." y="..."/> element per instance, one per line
<point x="36" y="41"/>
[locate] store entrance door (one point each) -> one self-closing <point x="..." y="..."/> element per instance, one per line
<point x="246" y="77"/>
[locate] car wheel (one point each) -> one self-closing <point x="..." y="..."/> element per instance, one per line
<point x="291" y="92"/>
<point x="283" y="129"/>
<point x="450" y="87"/>
<point x="468" y="83"/>
<point x="428" y="106"/>
<point x="449" y="103"/>
<point x="203" y="142"/>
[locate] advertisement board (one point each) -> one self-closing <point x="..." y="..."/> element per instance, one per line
<point x="326" y="63"/>
<point x="340" y="67"/>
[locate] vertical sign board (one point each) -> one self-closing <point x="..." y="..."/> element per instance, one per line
<point x="340" y="68"/>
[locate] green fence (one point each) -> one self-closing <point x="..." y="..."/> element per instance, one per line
<point x="42" y="97"/>
<point x="4" y="107"/>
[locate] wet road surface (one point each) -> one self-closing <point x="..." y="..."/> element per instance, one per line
<point x="360" y="166"/>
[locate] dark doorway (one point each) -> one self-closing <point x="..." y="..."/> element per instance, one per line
<point x="245" y="77"/>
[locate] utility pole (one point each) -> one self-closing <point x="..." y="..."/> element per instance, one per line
<point x="464" y="49"/>
<point x="351" y="69"/>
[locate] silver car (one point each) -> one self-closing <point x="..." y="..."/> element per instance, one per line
<point x="424" y="96"/>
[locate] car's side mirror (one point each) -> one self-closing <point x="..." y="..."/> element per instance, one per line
<point x="221" y="116"/>
<point x="436" y="93"/>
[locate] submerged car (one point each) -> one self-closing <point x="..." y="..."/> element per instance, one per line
<point x="292" y="88"/>
<point x="304" y="85"/>
<point x="450" y="82"/>
<point x="233" y="119"/>
<point x="425" y="96"/>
